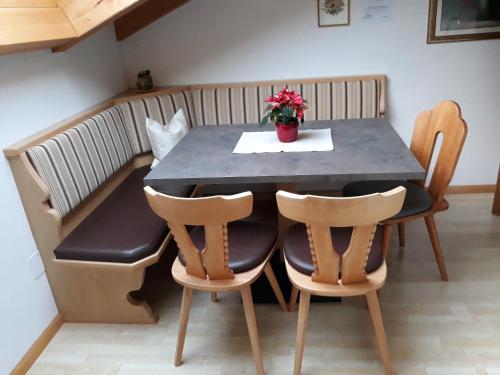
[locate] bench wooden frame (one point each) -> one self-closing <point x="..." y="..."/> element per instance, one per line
<point x="74" y="283"/>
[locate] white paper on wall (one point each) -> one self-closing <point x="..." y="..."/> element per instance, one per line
<point x="377" y="10"/>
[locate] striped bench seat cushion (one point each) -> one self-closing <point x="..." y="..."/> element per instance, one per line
<point x="159" y="108"/>
<point x="326" y="101"/>
<point x="76" y="162"/>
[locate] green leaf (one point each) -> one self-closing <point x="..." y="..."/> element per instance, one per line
<point x="264" y="120"/>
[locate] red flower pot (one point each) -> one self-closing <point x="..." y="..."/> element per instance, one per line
<point x="287" y="132"/>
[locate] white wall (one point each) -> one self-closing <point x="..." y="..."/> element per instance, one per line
<point x="223" y="41"/>
<point x="38" y="89"/>
<point x="241" y="40"/>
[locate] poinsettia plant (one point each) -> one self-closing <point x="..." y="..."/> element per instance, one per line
<point x="286" y="107"/>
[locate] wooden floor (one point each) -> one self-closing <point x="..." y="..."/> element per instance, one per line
<point x="433" y="327"/>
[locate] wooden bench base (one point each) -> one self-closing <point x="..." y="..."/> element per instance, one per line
<point x="99" y="292"/>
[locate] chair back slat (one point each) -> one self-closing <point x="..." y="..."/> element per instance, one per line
<point x="325" y="258"/>
<point x="216" y="261"/>
<point x="191" y="255"/>
<point x="446" y="119"/>
<point x="355" y="258"/>
<point x="319" y="214"/>
<point x="420" y="149"/>
<point x="211" y="212"/>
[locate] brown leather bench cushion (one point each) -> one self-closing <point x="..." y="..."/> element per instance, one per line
<point x="249" y="243"/>
<point x="298" y="254"/>
<point x="123" y="229"/>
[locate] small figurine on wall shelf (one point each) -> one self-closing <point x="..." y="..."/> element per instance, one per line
<point x="144" y="81"/>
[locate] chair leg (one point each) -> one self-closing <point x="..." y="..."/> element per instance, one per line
<point x="187" y="295"/>
<point x="386" y="239"/>
<point x="305" y="299"/>
<point x="213" y="296"/>
<point x="246" y="296"/>
<point x="401" y="235"/>
<point x="436" y="246"/>
<point x="268" y="269"/>
<point x="378" y="325"/>
<point x="292" y="305"/>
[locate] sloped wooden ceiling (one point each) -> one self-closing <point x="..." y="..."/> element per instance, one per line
<point x="60" y="24"/>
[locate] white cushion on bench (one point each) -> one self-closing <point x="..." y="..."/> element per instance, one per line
<point x="159" y="108"/>
<point x="163" y="138"/>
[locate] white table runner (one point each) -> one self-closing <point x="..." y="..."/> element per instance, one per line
<point x="308" y="140"/>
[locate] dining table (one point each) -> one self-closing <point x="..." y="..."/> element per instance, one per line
<point x="363" y="149"/>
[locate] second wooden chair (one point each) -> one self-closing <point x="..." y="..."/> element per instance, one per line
<point x="335" y="254"/>
<point x="220" y="254"/>
<point x="446" y="119"/>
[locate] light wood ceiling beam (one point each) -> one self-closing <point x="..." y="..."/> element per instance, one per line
<point x="144" y="15"/>
<point x="88" y="16"/>
<point x="85" y="15"/>
<point x="23" y="29"/>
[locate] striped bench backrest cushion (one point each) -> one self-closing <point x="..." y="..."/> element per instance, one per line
<point x="326" y="101"/>
<point x="76" y="162"/>
<point x="160" y="108"/>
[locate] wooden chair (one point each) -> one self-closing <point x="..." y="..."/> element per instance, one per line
<point x="445" y="119"/>
<point x="316" y="255"/>
<point x="216" y="256"/>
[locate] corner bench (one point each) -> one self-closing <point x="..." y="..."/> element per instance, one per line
<point x="80" y="182"/>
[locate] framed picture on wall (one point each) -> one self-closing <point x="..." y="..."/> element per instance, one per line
<point x="333" y="13"/>
<point x="459" y="20"/>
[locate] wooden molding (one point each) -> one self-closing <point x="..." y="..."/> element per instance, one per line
<point x="496" y="200"/>
<point x="144" y="15"/>
<point x="470" y="189"/>
<point x="38" y="346"/>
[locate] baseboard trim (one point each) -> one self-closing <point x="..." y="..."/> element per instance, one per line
<point x="38" y="346"/>
<point x="470" y="189"/>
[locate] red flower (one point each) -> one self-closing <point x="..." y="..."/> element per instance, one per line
<point x="300" y="114"/>
<point x="286" y="105"/>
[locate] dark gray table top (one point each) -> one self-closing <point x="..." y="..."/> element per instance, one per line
<point x="365" y="149"/>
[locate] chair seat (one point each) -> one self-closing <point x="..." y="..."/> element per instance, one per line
<point x="298" y="253"/>
<point x="249" y="243"/>
<point x="417" y="199"/>
<point x="122" y="229"/>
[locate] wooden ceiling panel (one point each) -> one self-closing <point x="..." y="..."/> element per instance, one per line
<point x="28" y="3"/>
<point x="60" y="24"/>
<point x="32" y="28"/>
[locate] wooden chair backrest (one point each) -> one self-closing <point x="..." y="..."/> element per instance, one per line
<point x="444" y="118"/>
<point x="319" y="214"/>
<point x="213" y="213"/>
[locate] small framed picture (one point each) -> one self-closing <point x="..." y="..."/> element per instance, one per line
<point x="333" y="13"/>
<point x="461" y="20"/>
